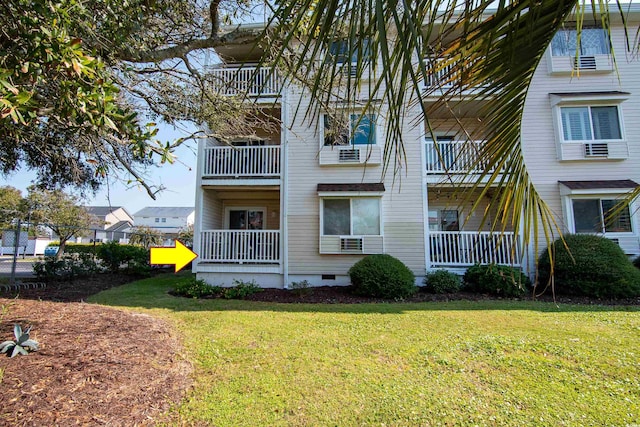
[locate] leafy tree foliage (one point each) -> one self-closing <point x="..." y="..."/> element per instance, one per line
<point x="185" y="236"/>
<point x="11" y="206"/>
<point x="79" y="81"/>
<point x="145" y="236"/>
<point x="61" y="212"/>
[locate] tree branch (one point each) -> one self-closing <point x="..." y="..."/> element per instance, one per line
<point x="237" y="36"/>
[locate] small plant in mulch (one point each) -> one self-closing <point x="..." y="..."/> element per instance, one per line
<point x="22" y="343"/>
<point x="192" y="288"/>
<point x="241" y="290"/>
<point x="442" y="282"/>
<point x="301" y="288"/>
<point x="196" y="288"/>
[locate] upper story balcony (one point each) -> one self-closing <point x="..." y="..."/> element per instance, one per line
<point x="442" y="77"/>
<point x="452" y="157"/>
<point x="229" y="165"/>
<point x="246" y="80"/>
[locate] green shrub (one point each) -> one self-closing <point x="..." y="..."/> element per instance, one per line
<point x="68" y="266"/>
<point x="442" y="282"/>
<point x="241" y="289"/>
<point x="132" y="259"/>
<point x="81" y="248"/>
<point x="636" y="262"/>
<point x="595" y="267"/>
<point x="193" y="288"/>
<point x="382" y="276"/>
<point x="499" y="280"/>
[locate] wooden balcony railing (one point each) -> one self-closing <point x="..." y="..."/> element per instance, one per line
<point x="240" y="246"/>
<point x="465" y="248"/>
<point x="237" y="162"/>
<point x="245" y="81"/>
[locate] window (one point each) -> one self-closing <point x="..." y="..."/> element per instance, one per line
<point x="444" y="220"/>
<point x="341" y="49"/>
<point x="164" y="219"/>
<point x="596" y="216"/>
<point x="593" y="41"/>
<point x="358" y="216"/>
<point x="246" y="219"/>
<point x="157" y="219"/>
<point x="352" y="129"/>
<point x="590" y="123"/>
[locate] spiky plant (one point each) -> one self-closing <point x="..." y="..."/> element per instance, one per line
<point x="20" y="344"/>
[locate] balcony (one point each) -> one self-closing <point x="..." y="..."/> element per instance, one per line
<point x="465" y="248"/>
<point x="240" y="246"/>
<point x="454" y="157"/>
<point x="442" y="78"/>
<point x="246" y="80"/>
<point x="228" y="162"/>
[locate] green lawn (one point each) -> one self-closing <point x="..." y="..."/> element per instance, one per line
<point x="458" y="363"/>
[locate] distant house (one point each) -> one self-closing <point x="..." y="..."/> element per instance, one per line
<point x="167" y="220"/>
<point x="112" y="223"/>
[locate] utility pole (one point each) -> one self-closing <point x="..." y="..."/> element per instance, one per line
<point x="16" y="245"/>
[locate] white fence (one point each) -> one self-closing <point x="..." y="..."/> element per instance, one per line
<point x="247" y="80"/>
<point x="225" y="161"/>
<point x="240" y="246"/>
<point x="464" y="248"/>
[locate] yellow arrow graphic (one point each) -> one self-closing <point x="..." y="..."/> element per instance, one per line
<point x="180" y="255"/>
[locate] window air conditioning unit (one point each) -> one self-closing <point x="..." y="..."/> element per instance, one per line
<point x="596" y="150"/>
<point x="584" y="63"/>
<point x="349" y="155"/>
<point x="351" y="244"/>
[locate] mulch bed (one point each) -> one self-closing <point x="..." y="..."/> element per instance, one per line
<point x="95" y="365"/>
<point x="344" y="295"/>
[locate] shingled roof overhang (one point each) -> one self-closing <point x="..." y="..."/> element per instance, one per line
<point x="345" y="190"/>
<point x="598" y="186"/>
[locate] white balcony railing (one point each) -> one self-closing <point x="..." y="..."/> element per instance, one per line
<point x="236" y="162"/>
<point x="442" y="78"/>
<point x="464" y="248"/>
<point x="240" y="246"/>
<point x="453" y="157"/>
<point x="245" y="81"/>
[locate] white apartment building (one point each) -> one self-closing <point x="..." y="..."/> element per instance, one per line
<point x="305" y="203"/>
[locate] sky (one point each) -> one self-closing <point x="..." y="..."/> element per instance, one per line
<point x="178" y="178"/>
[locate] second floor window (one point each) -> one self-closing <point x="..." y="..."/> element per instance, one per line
<point x="349" y="129"/>
<point x="590" y="123"/>
<point x="593" y="41"/>
<point x="345" y="53"/>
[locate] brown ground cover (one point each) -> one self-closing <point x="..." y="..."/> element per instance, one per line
<point x="95" y="365"/>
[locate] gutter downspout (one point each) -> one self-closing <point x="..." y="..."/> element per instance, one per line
<point x="284" y="187"/>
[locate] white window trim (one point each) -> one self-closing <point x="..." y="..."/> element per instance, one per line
<point x="228" y="209"/>
<point x="350" y="112"/>
<point x="350" y="196"/>
<point x="558" y="113"/>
